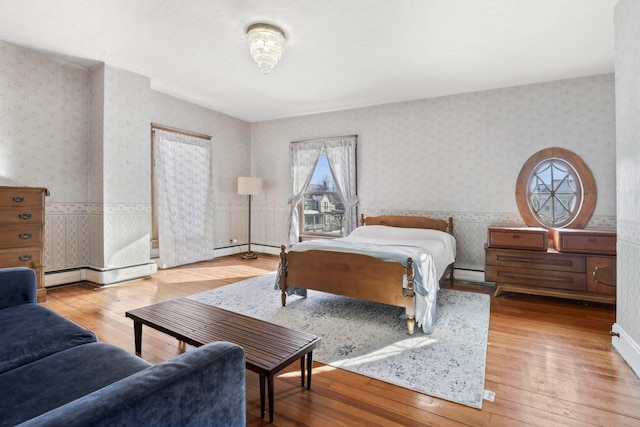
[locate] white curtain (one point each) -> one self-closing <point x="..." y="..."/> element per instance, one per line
<point x="341" y="154"/>
<point x="183" y="180"/>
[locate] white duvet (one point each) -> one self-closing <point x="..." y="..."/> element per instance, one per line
<point x="431" y="251"/>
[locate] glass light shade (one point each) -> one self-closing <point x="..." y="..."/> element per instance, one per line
<point x="266" y="45"/>
<point x="249" y="185"/>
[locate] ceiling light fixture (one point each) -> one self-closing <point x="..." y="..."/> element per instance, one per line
<point x="266" y="45"/>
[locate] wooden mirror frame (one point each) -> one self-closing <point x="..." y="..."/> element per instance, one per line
<point x="587" y="183"/>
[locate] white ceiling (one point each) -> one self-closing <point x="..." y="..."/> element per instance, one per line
<point x="340" y="53"/>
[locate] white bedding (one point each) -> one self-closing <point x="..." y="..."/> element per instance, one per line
<point x="431" y="250"/>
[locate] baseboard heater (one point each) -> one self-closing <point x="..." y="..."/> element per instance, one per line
<point x="98" y="276"/>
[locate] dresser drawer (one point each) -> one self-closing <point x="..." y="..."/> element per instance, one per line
<point x="14" y="236"/>
<point x="601" y="275"/>
<point x="536" y="260"/>
<point x="531" y="238"/>
<point x="584" y="241"/>
<point x="23" y="215"/>
<point x="21" y="196"/>
<point x="563" y="280"/>
<point x="21" y="257"/>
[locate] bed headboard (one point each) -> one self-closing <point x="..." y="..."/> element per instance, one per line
<point x="408" y="222"/>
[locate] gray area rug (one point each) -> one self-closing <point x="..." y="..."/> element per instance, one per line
<point x="371" y="339"/>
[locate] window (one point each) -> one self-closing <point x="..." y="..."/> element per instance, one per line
<point x="556" y="189"/>
<point x="323" y="208"/>
<point x="324" y="196"/>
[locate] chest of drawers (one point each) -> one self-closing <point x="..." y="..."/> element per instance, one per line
<point x="22" y="231"/>
<point x="580" y="265"/>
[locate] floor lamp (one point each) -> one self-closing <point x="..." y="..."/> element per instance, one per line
<point x="249" y="186"/>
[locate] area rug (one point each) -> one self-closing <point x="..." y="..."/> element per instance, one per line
<point x="371" y="339"/>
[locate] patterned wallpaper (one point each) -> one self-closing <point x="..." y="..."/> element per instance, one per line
<point x="43" y="123"/>
<point x="451" y="156"/>
<point x="231" y="158"/>
<point x="627" y="63"/>
<point x="454" y="156"/>
<point x="85" y="135"/>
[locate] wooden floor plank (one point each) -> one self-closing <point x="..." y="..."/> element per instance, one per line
<point x="549" y="361"/>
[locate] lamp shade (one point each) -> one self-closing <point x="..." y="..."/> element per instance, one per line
<point x="249" y="185"/>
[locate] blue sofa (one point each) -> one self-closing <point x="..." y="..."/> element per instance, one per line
<point x="54" y="372"/>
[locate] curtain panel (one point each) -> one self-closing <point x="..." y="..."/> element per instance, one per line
<point x="341" y="154"/>
<point x="184" y="188"/>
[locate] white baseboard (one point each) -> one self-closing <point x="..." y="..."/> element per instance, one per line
<point x="627" y="347"/>
<point x="240" y="249"/>
<point x="468" y="275"/>
<point x="266" y="249"/>
<point x="99" y="276"/>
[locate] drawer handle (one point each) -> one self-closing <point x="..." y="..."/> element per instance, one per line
<point x="24" y="216"/>
<point x="25" y="236"/>
<point x="561" y="280"/>
<point x="18" y="199"/>
<point x="593" y="240"/>
<point x="25" y="257"/>
<point x="516" y="236"/>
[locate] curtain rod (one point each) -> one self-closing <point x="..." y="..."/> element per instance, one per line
<point x="155" y="126"/>
<point x="320" y="139"/>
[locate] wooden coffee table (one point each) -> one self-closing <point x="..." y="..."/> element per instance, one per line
<point x="268" y="347"/>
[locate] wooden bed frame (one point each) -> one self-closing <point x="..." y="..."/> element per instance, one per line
<point x="359" y="276"/>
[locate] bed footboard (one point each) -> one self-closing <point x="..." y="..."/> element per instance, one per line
<point x="351" y="275"/>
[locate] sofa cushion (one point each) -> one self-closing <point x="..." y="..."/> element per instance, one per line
<point x="48" y="383"/>
<point x="204" y="386"/>
<point x="29" y="332"/>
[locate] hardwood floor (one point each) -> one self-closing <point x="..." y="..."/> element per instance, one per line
<point x="550" y="362"/>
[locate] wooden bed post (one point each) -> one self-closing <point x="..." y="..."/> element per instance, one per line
<point x="283" y="274"/>
<point x="409" y="293"/>
<point x="450" y="231"/>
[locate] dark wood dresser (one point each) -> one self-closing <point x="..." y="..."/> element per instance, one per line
<point x="22" y="231"/>
<point x="577" y="264"/>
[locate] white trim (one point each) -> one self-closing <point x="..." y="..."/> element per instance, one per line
<point x="266" y="249"/>
<point x="627" y="347"/>
<point x="240" y="249"/>
<point x="230" y="250"/>
<point x="62" y="277"/>
<point x="468" y="275"/>
<point x="100" y="277"/>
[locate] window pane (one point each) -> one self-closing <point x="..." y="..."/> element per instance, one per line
<point x="552" y="193"/>
<point x="323" y="209"/>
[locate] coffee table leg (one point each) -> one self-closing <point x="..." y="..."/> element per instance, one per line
<point x="270" y="383"/>
<point x="309" y="367"/>
<point x="137" y="337"/>
<point x="302" y="370"/>
<point x="262" y="378"/>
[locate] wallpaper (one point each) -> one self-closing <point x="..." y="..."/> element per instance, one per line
<point x="43" y="123"/>
<point x="627" y="24"/>
<point x="451" y="156"/>
<point x="230" y="139"/>
<point x="454" y="156"/>
<point x="85" y="135"/>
